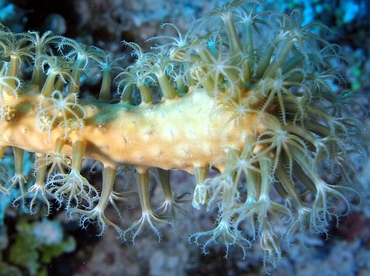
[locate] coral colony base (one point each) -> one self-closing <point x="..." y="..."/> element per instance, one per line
<point x="245" y="92"/>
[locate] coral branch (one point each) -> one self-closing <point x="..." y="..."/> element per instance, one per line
<point x="245" y="93"/>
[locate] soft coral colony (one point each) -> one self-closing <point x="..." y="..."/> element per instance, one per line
<point x="245" y="92"/>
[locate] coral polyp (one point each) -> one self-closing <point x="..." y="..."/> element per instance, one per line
<point x="246" y="92"/>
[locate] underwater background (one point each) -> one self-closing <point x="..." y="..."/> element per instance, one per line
<point x="54" y="245"/>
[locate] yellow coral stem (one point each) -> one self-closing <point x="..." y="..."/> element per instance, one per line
<point x="177" y="134"/>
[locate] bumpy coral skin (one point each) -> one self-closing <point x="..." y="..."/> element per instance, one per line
<point x="245" y="92"/>
<point x="166" y="145"/>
